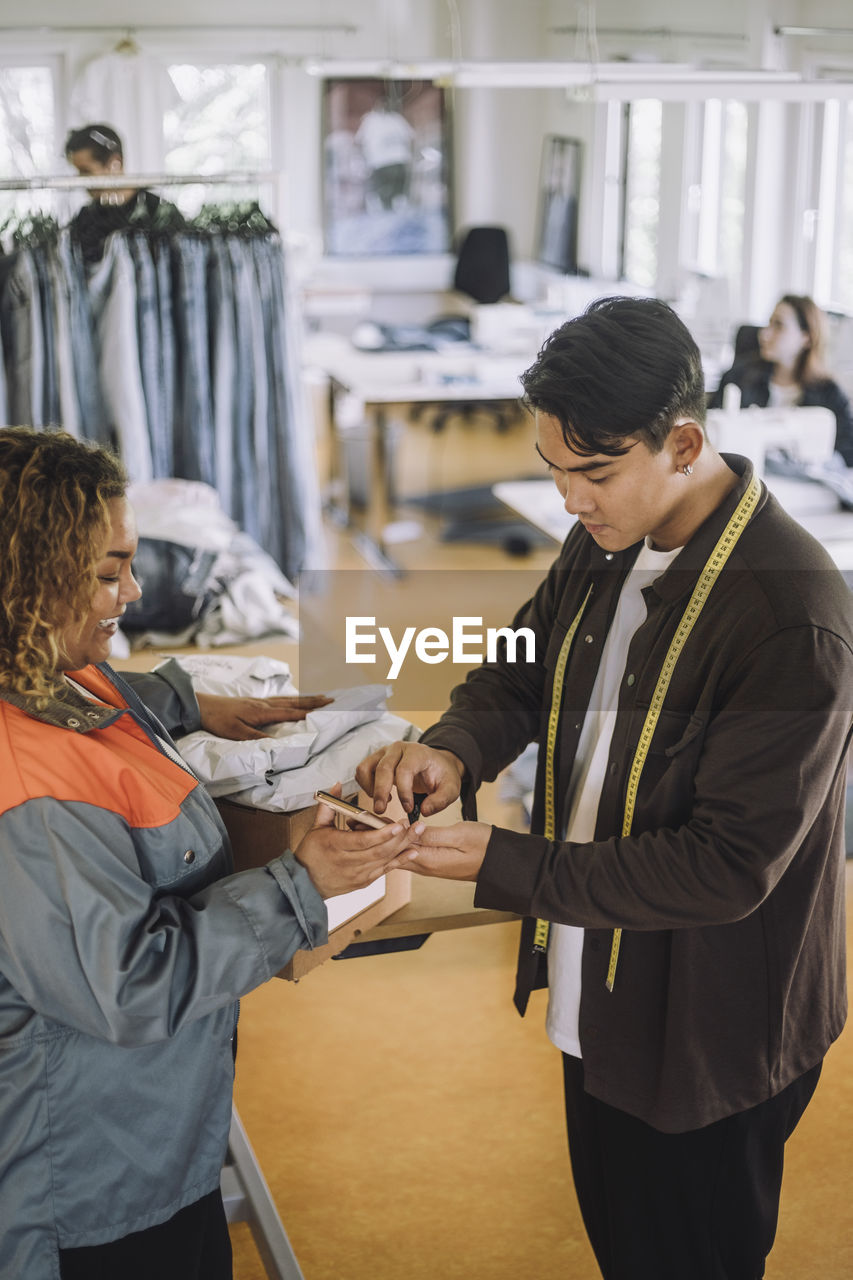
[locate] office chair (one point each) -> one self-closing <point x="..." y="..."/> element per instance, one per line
<point x="482" y="264"/>
<point x="481" y="274"/>
<point x="746" y="343"/>
<point x="746" y="348"/>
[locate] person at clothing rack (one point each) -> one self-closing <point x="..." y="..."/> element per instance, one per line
<point x="125" y="940"/>
<point x="96" y="150"/>
<point x="692" y="695"/>
<point x="789" y="368"/>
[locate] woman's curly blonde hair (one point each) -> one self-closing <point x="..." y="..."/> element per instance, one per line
<point x="54" y="518"/>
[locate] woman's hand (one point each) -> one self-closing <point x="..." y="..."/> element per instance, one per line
<point x="241" y="718"/>
<point x="339" y="861"/>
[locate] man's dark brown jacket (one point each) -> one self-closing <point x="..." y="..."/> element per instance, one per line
<point x="730" y="888"/>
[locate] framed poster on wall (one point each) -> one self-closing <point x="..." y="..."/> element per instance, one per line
<point x="559" y="198"/>
<point x="386" y="167"/>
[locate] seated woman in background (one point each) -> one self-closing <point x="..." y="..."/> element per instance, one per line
<point x="789" y="369"/>
<point x="125" y="939"/>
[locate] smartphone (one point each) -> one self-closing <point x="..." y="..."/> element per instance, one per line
<point x="349" y="810"/>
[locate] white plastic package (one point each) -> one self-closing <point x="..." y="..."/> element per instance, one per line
<point x="282" y="771"/>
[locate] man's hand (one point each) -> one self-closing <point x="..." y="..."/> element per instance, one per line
<point x="339" y="861"/>
<point x="453" y="853"/>
<point x="411" y="767"/>
<point x="241" y="718"/>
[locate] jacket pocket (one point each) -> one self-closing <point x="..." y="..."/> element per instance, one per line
<point x="667" y="783"/>
<point x="694" y="727"/>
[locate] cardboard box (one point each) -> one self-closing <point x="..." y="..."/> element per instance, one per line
<point x="259" y="835"/>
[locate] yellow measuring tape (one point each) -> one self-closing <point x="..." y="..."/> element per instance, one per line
<point x="707" y="578"/>
<point x="543" y="928"/>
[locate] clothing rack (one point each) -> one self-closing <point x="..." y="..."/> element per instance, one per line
<point x="122" y="181"/>
<point x="200" y="429"/>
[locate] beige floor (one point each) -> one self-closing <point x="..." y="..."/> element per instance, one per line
<point x="409" y="1123"/>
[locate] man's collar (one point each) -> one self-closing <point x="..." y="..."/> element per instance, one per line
<point x="681" y="576"/>
<point x="688" y="564"/>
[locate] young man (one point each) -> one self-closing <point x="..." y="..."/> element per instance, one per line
<point x="95" y="150"/>
<point x="692" y="696"/>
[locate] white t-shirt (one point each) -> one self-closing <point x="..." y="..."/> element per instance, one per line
<point x="566" y="941"/>
<point x="783" y="395"/>
<point x="385" y="137"/>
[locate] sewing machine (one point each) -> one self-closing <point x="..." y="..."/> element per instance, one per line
<point x="805" y="433"/>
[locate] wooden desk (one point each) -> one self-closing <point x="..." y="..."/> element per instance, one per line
<point x="816" y="509"/>
<point x="365" y="386"/>
<point x="436" y="905"/>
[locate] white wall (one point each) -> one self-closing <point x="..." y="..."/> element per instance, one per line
<point x="497" y="133"/>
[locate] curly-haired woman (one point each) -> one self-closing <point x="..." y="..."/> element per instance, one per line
<point x="125" y="940"/>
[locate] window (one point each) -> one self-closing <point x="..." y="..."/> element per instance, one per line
<point x="27" y="132"/>
<point x="840" y="290"/>
<point x="642" y="192"/>
<point x="717" y="198"/>
<point x="706" y="144"/>
<point x="218" y="123"/>
<point x="733" y="190"/>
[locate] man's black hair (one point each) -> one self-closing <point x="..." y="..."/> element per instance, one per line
<point x="626" y="367"/>
<point x="101" y="139"/>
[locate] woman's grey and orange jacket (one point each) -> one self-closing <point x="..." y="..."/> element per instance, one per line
<point x="125" y="941"/>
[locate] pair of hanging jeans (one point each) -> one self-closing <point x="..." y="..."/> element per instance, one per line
<point x="91" y="410"/>
<point x="301" y="507"/>
<point x="223" y="367"/>
<point x="248" y="511"/>
<point x="161" y="249"/>
<point x="50" y="413"/>
<point x="244" y="486"/>
<point x="194" y="457"/>
<point x="4" y="403"/>
<point x="69" y="412"/>
<point x="280" y="515"/>
<point x="112" y="290"/>
<point x="149" y="341"/>
<point x="23" y="343"/>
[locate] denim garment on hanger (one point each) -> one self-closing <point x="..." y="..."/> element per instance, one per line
<point x="50" y="413"/>
<point x="286" y="441"/>
<point x="91" y="408"/>
<point x="23" y="342"/>
<point x="69" y="410"/>
<point x="161" y="249"/>
<point x="4" y="402"/>
<point x="222" y="325"/>
<point x="149" y="350"/>
<point x="112" y="290"/>
<point x="194" y="459"/>
<point x="245" y="510"/>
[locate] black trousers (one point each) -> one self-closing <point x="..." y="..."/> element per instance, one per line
<point x="193" y="1245"/>
<point x="700" y="1205"/>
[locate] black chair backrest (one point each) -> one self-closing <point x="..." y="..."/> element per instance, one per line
<point x="746" y="342"/>
<point x="482" y="264"/>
